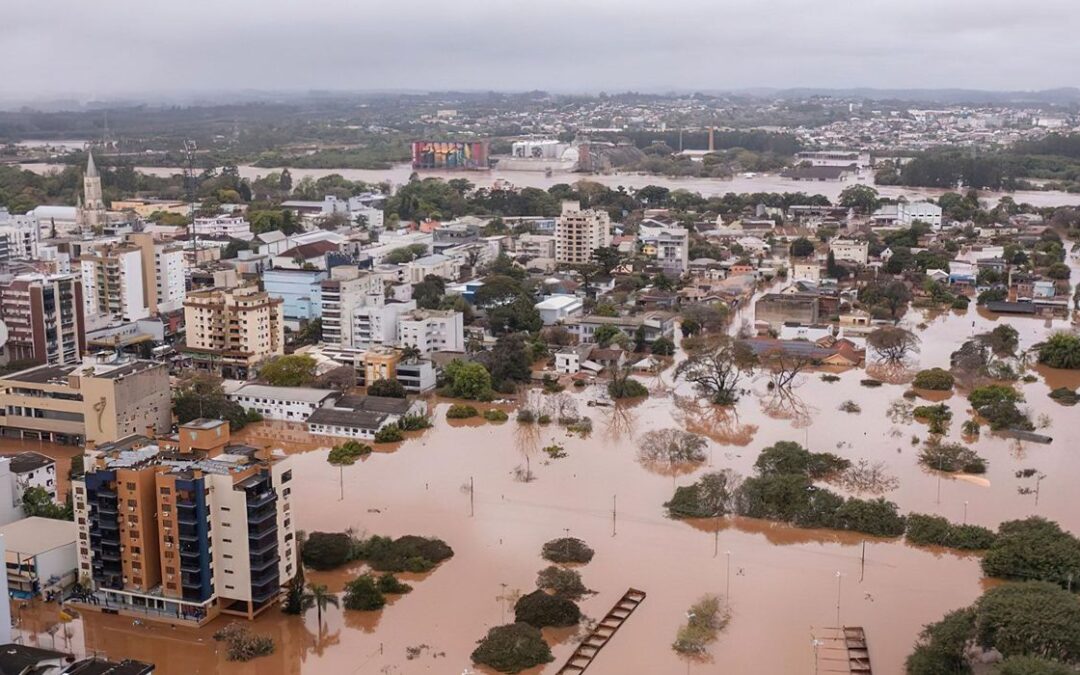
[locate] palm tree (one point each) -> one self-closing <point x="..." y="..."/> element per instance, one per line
<point x="410" y="353"/>
<point x="319" y="596"/>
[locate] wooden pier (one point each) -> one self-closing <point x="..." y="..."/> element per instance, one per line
<point x="841" y="650"/>
<point x="583" y="656"/>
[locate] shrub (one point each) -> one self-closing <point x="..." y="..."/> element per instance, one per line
<point x="627" y="388"/>
<point x="934" y="379"/>
<point x="712" y="496"/>
<point x="877" y="517"/>
<point x="582" y="426"/>
<point x="1033" y="548"/>
<point x="567" y="550"/>
<point x="1062" y="350"/>
<point x="830" y="378"/>
<point x="496" y="415"/>
<point x="705" y="619"/>
<point x="348" y="452"/>
<point x="937" y="415"/>
<point x="461" y="412"/>
<point x="327" y="550"/>
<point x="870" y="382"/>
<point x="544" y="418"/>
<point x="363" y="594"/>
<point x="391" y="433"/>
<point x="927" y="530"/>
<point x="951" y="458"/>
<point x="404" y="554"/>
<point x="788" y="457"/>
<point x="662" y="346"/>
<point x="941" y="645"/>
<point x="414" y="423"/>
<point x="850" y="407"/>
<point x="998" y="405"/>
<point x="243" y="645"/>
<point x="467" y="380"/>
<point x="512" y="648"/>
<point x="555" y="451"/>
<point x="526" y="416"/>
<point x="541" y="610"/>
<point x="390" y="585"/>
<point x="1065" y="396"/>
<point x="387" y="388"/>
<point x="562" y="582"/>
<point x="960" y="302"/>
<point x="1032" y="665"/>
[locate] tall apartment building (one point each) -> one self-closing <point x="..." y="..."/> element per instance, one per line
<point x="377" y="324"/>
<point x="103" y="398"/>
<point x="113" y="282"/>
<point x="186" y="527"/>
<point x="162" y="272"/>
<point x="44" y="318"/>
<point x="347" y="290"/>
<point x="431" y="330"/>
<point x="19" y="237"/>
<point x="578" y="233"/>
<point x="673" y="250"/>
<point x="231" y="330"/>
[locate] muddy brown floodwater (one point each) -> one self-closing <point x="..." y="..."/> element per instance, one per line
<point x="783" y="581"/>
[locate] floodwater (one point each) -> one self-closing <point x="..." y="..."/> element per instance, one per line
<point x="708" y="187"/>
<point x="782" y="581"/>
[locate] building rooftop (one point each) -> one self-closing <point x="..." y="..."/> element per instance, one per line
<point x="96" y="666"/>
<point x="303" y="394"/>
<point x="344" y="417"/>
<point x="35" y="535"/>
<point x="29" y="461"/>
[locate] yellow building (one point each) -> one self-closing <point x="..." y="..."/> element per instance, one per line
<point x="98" y="401"/>
<point x="231" y="330"/>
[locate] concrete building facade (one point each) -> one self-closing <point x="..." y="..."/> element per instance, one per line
<point x="231" y="330"/>
<point x="580" y="232"/>
<point x="44" y="318"/>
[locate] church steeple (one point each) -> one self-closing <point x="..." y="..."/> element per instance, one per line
<point x="93" y="207"/>
<point x="91" y="168"/>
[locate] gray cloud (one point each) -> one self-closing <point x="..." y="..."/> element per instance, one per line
<point x="95" y="49"/>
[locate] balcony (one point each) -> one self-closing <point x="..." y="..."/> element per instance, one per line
<point x="260" y="516"/>
<point x="260" y="547"/>
<point x="268" y="575"/>
<point x="260" y="499"/>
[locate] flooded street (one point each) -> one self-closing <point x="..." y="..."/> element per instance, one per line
<point x="783" y="581"/>
<point x="708" y="187"/>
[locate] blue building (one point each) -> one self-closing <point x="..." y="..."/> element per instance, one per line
<point x="301" y="291"/>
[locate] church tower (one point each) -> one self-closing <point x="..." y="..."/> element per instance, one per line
<point x="93" y="209"/>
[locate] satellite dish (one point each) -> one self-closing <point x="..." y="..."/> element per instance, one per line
<point x="3" y="334"/>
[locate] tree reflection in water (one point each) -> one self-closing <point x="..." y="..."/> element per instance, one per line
<point x="891" y="372"/>
<point x="716" y="422"/>
<point x="620" y="421"/>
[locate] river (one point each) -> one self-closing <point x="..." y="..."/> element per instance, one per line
<point x="708" y="187"/>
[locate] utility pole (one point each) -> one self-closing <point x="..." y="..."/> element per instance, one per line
<point x="614" y="511"/>
<point x="727" y="583"/>
<point x="862" y="568"/>
<point x="838" y="578"/>
<point x="472" y="502"/>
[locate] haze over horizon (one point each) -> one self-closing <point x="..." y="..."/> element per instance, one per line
<point x="92" y="51"/>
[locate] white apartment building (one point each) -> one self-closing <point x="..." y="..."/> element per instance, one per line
<point x="223" y="226"/>
<point x="19" y="236"/>
<point x="33" y="470"/>
<point x="377" y="323"/>
<point x="443" y="266"/>
<point x="850" y="250"/>
<point x="113" y="282"/>
<point x="431" y="330"/>
<point x="673" y="250"/>
<point x="347" y="290"/>
<point x="809" y="271"/>
<point x="578" y="233"/>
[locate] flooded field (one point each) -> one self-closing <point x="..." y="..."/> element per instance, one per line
<point x="782" y="581"/>
<point x="708" y="187"/>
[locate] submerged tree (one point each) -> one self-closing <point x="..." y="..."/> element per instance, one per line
<point x="892" y="343"/>
<point x="716" y="368"/>
<point x="672" y="447"/>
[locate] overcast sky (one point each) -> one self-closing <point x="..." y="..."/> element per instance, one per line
<point x="98" y="48"/>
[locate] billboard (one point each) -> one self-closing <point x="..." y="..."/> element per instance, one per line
<point x="450" y="154"/>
